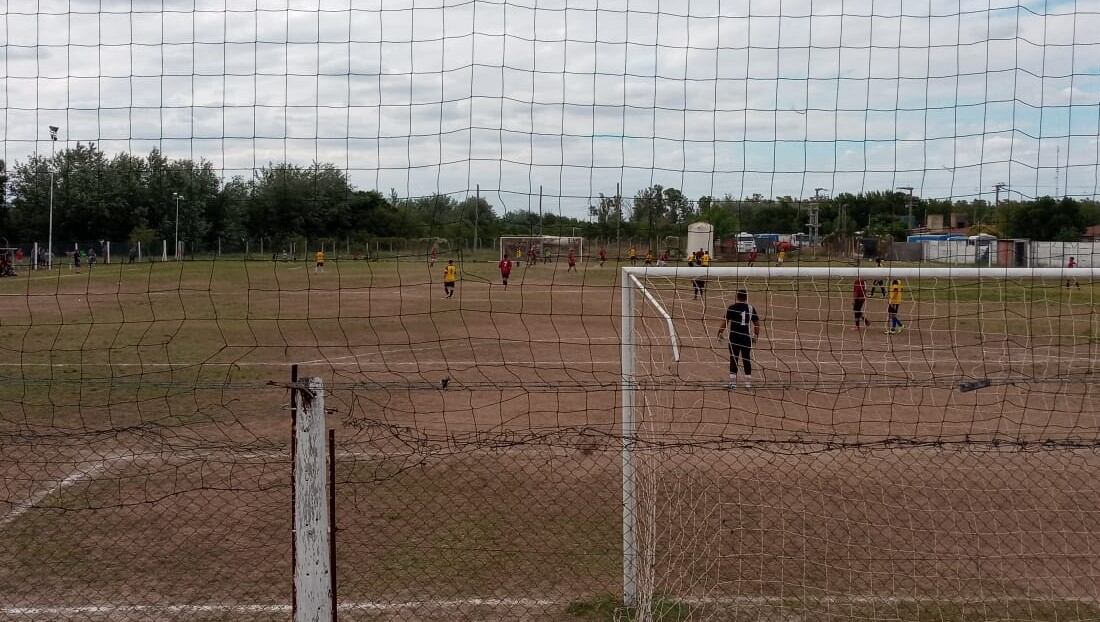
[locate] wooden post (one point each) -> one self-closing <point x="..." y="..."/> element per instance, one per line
<point x="312" y="572"/>
<point x="293" y="492"/>
<point x="332" y="517"/>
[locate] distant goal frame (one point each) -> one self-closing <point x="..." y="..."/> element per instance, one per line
<point x="542" y="242"/>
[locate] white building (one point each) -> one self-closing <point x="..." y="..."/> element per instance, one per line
<point x="700" y="235"/>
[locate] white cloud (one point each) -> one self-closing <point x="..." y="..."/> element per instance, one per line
<point x="575" y="95"/>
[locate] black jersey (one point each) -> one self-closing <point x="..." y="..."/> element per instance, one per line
<point x="740" y="315"/>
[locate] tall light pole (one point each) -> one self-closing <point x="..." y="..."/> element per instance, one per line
<point x="997" y="187"/>
<point x="909" y="205"/>
<point x="177" y="197"/>
<point x="49" y="243"/>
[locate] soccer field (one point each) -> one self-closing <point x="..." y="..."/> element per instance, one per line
<point x="145" y="446"/>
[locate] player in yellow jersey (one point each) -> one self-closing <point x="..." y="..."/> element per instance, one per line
<point x="450" y="275"/>
<point x="706" y="259"/>
<point x="895" y="325"/>
<point x="320" y="257"/>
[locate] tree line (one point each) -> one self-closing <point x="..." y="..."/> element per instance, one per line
<point x="127" y="197"/>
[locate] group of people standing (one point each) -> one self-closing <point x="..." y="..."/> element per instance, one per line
<point x="893" y="303"/>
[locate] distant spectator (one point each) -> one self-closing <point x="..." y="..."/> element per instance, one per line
<point x="1071" y="264"/>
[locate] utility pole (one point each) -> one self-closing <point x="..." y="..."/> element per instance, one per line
<point x="1058" y="171"/>
<point x="619" y="220"/>
<point x="540" y="211"/>
<point x="908" y="206"/>
<point x="997" y="187"/>
<point x="814" y="225"/>
<point x="477" y="208"/>
<point x="815" y="214"/>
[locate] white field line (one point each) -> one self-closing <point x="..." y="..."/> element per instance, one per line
<point x="527" y="603"/>
<point x="380" y="365"/>
<point x="437" y="365"/>
<point x="79" y="475"/>
<point x="107" y="609"/>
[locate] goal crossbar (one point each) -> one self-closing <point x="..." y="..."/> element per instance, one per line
<point x="855" y="271"/>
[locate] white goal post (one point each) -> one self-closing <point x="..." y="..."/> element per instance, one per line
<point x="838" y="281"/>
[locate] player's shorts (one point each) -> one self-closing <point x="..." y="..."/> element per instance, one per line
<point x="320" y="264"/>
<point x="739" y="342"/>
<point x="892" y="309"/>
<point x="857" y="305"/>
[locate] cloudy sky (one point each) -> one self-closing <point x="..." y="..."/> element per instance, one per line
<point x="575" y="96"/>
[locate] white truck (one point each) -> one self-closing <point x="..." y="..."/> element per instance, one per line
<point x="746" y="242"/>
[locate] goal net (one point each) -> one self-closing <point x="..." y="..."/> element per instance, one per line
<point x="336" y="175"/>
<point x="945" y="467"/>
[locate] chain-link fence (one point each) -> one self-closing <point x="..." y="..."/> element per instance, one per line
<point x="146" y="451"/>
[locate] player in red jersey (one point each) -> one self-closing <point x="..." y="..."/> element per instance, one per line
<point x="505" y="266"/>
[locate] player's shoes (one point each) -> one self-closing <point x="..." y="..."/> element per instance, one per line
<point x="889" y="332"/>
<point x="899" y="329"/>
<point x="748" y="383"/>
<point x="731" y="386"/>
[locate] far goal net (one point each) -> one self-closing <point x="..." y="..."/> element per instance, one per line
<point x="945" y="466"/>
<point x="526" y="248"/>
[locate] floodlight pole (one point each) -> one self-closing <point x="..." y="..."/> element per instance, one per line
<point x="49" y="242"/>
<point x="477" y="208"/>
<point x="177" y="197"/>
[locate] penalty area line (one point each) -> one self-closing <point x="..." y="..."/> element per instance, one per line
<point x="108" y="609"/>
<point x="368" y="365"/>
<point x="529" y="603"/>
<point x="79" y="475"/>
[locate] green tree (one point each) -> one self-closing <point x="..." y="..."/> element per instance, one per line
<point x="721" y="213"/>
<point x="289" y="201"/>
<point x="1045" y="219"/>
<point x="607" y="214"/>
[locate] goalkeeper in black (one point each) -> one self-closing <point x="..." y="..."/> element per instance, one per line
<point x="739" y="316"/>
